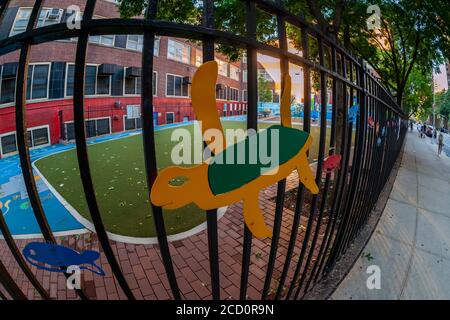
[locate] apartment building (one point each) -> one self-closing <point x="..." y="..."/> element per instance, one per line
<point x="113" y="73"/>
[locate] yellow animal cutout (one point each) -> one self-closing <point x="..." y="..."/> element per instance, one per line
<point x="211" y="185"/>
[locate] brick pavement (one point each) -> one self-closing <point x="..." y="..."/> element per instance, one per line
<point x="143" y="268"/>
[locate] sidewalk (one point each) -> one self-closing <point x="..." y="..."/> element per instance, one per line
<point x="411" y="243"/>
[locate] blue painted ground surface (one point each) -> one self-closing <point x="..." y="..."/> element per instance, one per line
<point x="14" y="201"/>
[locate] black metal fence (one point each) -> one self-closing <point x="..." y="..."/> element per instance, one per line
<point x="369" y="141"/>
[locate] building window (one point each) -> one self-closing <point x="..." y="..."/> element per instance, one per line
<point x="234" y="72"/>
<point x="178" y="51"/>
<point x="233" y="94"/>
<point x="135" y="42"/>
<point x="70" y="131"/>
<point x="8" y="90"/>
<point x="70" y="79"/>
<point x="176" y="86"/>
<point x="223" y="68"/>
<point x="21" y="22"/>
<point x="94" y="84"/>
<point x="38" y="137"/>
<point x="97" y="127"/>
<point x="221" y="92"/>
<point x="37" y="81"/>
<point x="47" y="16"/>
<point x="155" y="83"/>
<point x="106" y="40"/>
<point x="244" y="75"/>
<point x="50" y="16"/>
<point x="132" y="124"/>
<point x="132" y="120"/>
<point x="156" y="46"/>
<point x="103" y="84"/>
<point x="8" y="144"/>
<point x="170" y="117"/>
<point x="131" y="85"/>
<point x="244" y="95"/>
<point x="91" y="75"/>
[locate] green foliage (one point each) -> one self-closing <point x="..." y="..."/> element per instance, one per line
<point x="443" y="104"/>
<point x="419" y="94"/>
<point x="185" y="11"/>
<point x="264" y="90"/>
<point x="413" y="35"/>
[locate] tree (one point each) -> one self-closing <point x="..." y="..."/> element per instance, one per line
<point x="264" y="90"/>
<point x="419" y="98"/>
<point x="443" y="105"/>
<point x="413" y="34"/>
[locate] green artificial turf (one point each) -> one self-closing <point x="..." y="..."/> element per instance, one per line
<point x="118" y="173"/>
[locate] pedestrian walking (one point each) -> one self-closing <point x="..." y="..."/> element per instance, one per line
<point x="440" y="142"/>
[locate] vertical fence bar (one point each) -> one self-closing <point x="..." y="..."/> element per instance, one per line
<point x="22" y="136"/>
<point x="342" y="183"/>
<point x="19" y="258"/>
<point x="332" y="149"/>
<point x="351" y="186"/>
<point x="359" y="153"/>
<point x="252" y="123"/>
<point x="151" y="168"/>
<point x="301" y="189"/>
<point x="323" y="131"/>
<point x="82" y="150"/>
<point x="281" y="186"/>
<point x="365" y="206"/>
<point x="358" y="212"/>
<point x="10" y="285"/>
<point x="211" y="215"/>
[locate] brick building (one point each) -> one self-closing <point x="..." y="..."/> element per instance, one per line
<point x="112" y="79"/>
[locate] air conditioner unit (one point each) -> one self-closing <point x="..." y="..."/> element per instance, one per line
<point x="54" y="14"/>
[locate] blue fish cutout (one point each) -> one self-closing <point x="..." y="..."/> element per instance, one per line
<point x="379" y="142"/>
<point x="353" y="113"/>
<point x="40" y="254"/>
<point x="383" y="131"/>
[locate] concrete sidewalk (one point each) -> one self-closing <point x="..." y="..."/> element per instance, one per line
<point x="411" y="243"/>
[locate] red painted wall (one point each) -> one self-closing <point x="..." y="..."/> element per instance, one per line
<point x="54" y="112"/>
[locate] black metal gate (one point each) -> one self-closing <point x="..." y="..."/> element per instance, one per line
<point x="345" y="199"/>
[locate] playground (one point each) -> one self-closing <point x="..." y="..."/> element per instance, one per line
<point x="117" y="165"/>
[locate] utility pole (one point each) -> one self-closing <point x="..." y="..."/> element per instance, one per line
<point x="434" y="101"/>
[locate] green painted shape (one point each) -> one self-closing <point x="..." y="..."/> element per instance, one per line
<point x="224" y="176"/>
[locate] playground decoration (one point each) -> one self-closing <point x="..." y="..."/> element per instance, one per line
<point x="379" y="142"/>
<point x="371" y="122"/>
<point x="56" y="256"/>
<point x="212" y="185"/>
<point x="5" y="205"/>
<point x="332" y="163"/>
<point x="353" y="113"/>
